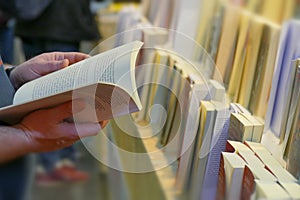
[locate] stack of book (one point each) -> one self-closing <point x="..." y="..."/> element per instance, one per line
<point x="249" y="171"/>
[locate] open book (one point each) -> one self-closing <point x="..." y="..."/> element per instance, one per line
<point x="105" y="81"/>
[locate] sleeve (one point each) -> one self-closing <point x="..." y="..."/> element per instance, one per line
<point x="9" y="69"/>
<point x="7" y="91"/>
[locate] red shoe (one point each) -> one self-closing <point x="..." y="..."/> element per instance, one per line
<point x="70" y="174"/>
<point x="44" y="179"/>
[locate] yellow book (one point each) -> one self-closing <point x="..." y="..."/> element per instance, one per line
<point x="289" y="9"/>
<point x="207" y="115"/>
<point x="254" y="6"/>
<point x="272" y="9"/>
<point x="124" y="154"/>
<point x="258" y="127"/>
<point x="217" y="25"/>
<point x="227" y="44"/>
<point x="202" y="145"/>
<point x="240" y="55"/>
<point x="172" y="102"/>
<point x="206" y="19"/>
<point x="240" y="129"/>
<point x="252" y="50"/>
<point x="264" y="69"/>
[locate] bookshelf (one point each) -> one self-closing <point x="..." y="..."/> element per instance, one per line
<point x="252" y="42"/>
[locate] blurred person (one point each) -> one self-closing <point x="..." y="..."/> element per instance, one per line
<point x="61" y="27"/>
<point x="40" y="131"/>
<point x="6" y="37"/>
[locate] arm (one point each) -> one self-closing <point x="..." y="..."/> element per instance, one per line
<point x="44" y="130"/>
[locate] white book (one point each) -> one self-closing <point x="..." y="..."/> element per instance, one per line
<point x="234" y="169"/>
<point x="218" y="144"/>
<point x="151" y="38"/>
<point x="198" y="92"/>
<point x="217" y="91"/>
<point x="293" y="189"/>
<point x="270" y="190"/>
<point x="186" y="27"/>
<point x="106" y="82"/>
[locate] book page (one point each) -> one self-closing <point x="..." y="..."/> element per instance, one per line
<point x="111" y="67"/>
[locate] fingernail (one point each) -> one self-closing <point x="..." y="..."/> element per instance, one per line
<point x="65" y="63"/>
<point x="89" y="130"/>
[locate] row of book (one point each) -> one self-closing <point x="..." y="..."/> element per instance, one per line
<point x="196" y="128"/>
<point x="257" y="59"/>
<point x="247" y="57"/>
<point x="194" y="118"/>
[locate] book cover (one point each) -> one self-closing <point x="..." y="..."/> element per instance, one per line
<point x="252" y="52"/>
<point x="234" y="171"/>
<point x="227" y="44"/>
<point x="264" y="69"/>
<point x="240" y="56"/>
<point x="240" y="129"/>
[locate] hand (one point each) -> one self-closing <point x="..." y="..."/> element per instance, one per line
<point x="43" y="64"/>
<point x="47" y="130"/>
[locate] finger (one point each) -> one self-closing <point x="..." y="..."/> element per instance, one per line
<point x="75" y="130"/>
<point x="59" y="61"/>
<point x="73" y="57"/>
<point x="76" y="57"/>
<point x="50" y="66"/>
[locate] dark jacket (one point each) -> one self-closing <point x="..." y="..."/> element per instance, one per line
<point x="14" y="175"/>
<point x="62" y="20"/>
<point x="6" y="89"/>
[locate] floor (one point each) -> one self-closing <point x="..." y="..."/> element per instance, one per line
<point x="93" y="189"/>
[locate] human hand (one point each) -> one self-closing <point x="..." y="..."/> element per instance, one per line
<point x="47" y="130"/>
<point x="43" y="64"/>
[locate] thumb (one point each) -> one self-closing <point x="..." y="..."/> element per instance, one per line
<point x="74" y="130"/>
